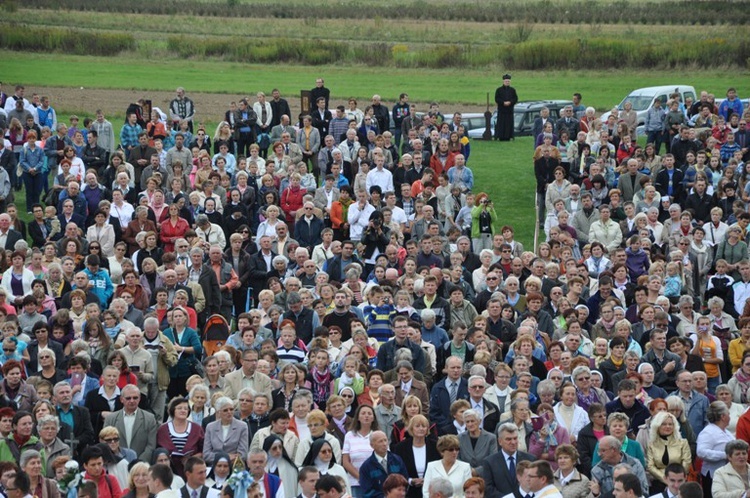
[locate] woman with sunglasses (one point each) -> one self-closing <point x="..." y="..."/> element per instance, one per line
<point x="45" y="359"/>
<point x="448" y="467"/>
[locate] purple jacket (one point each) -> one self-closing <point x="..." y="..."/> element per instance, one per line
<point x="637" y="263"/>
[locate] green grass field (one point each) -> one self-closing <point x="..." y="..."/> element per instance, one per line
<point x="452" y="88"/>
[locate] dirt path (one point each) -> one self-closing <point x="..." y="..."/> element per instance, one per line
<point x="210" y="106"/>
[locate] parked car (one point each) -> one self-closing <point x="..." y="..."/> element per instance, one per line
<point x="643" y="100"/>
<point x="524" y="114"/>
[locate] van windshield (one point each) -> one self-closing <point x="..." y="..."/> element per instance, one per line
<point x="640" y="102"/>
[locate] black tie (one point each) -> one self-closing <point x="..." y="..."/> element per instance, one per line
<point x="512" y="468"/>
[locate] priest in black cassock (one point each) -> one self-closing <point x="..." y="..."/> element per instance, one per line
<point x="506" y="98"/>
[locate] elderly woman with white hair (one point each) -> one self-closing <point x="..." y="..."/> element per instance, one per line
<point x="48" y="427"/>
<point x="226" y="433"/>
<point x="479" y="276"/>
<point x="724" y="393"/>
<point x="32" y="463"/>
<point x="200" y="408"/>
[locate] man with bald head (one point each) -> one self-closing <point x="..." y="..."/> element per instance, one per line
<point x="8" y="236"/>
<point x="171" y="283"/>
<point x="376" y="469"/>
<point x="71" y="232"/>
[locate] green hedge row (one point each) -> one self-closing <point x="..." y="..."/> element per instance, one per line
<point x="676" y="12"/>
<point x="592" y="53"/>
<point x="70" y="41"/>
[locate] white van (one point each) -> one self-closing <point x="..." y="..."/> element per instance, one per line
<point x="643" y="99"/>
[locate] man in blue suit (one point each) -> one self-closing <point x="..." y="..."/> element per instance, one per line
<point x="499" y="470"/>
<point x="448" y="390"/>
<point x="382" y="463"/>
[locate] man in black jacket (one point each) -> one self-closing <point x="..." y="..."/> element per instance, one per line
<point x="77" y="417"/>
<point x="279" y="107"/>
<point x="319" y="91"/>
<point x="321" y="117"/>
<point x="207" y="280"/>
<point x="7" y="234"/>
<point x="700" y="202"/>
<point x="669" y="180"/>
<point x="381" y="114"/>
<point x="335" y="266"/>
<point x="260" y="265"/>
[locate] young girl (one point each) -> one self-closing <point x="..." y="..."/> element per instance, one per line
<point x="673" y="282"/>
<point x="350" y="377"/>
<point x="320" y="378"/>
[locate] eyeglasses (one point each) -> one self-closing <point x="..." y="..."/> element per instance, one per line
<point x="491" y="278"/>
<point x="44" y="357"/>
<point x="9" y="350"/>
<point x="584" y="378"/>
<point x="476" y="387"/>
<point x="347" y="395"/>
<point x="112" y="440"/>
<point x="325" y="450"/>
<point x="132" y="398"/>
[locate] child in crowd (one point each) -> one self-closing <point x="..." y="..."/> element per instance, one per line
<point x="673" y="282"/>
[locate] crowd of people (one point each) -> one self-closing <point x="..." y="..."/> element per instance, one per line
<point x="387" y="336"/>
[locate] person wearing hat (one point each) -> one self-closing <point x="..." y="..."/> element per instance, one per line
<point x="505" y="98"/>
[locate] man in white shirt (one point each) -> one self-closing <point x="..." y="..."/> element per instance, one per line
<point x="359" y="216"/>
<point x="398" y="215"/>
<point x="380" y="176"/>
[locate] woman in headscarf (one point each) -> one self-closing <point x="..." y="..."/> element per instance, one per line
<point x="220" y="471"/>
<point x="161" y="455"/>
<point x="322" y="458"/>
<point x="350" y="399"/>
<point x="279" y="463"/>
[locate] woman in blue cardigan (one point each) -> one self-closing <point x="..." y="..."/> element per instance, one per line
<point x="189" y="348"/>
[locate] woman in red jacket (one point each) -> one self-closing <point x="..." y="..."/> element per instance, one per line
<point x="292" y="198"/>
<point x="173" y="228"/>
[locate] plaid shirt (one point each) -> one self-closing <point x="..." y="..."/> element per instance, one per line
<point x="129" y="135"/>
